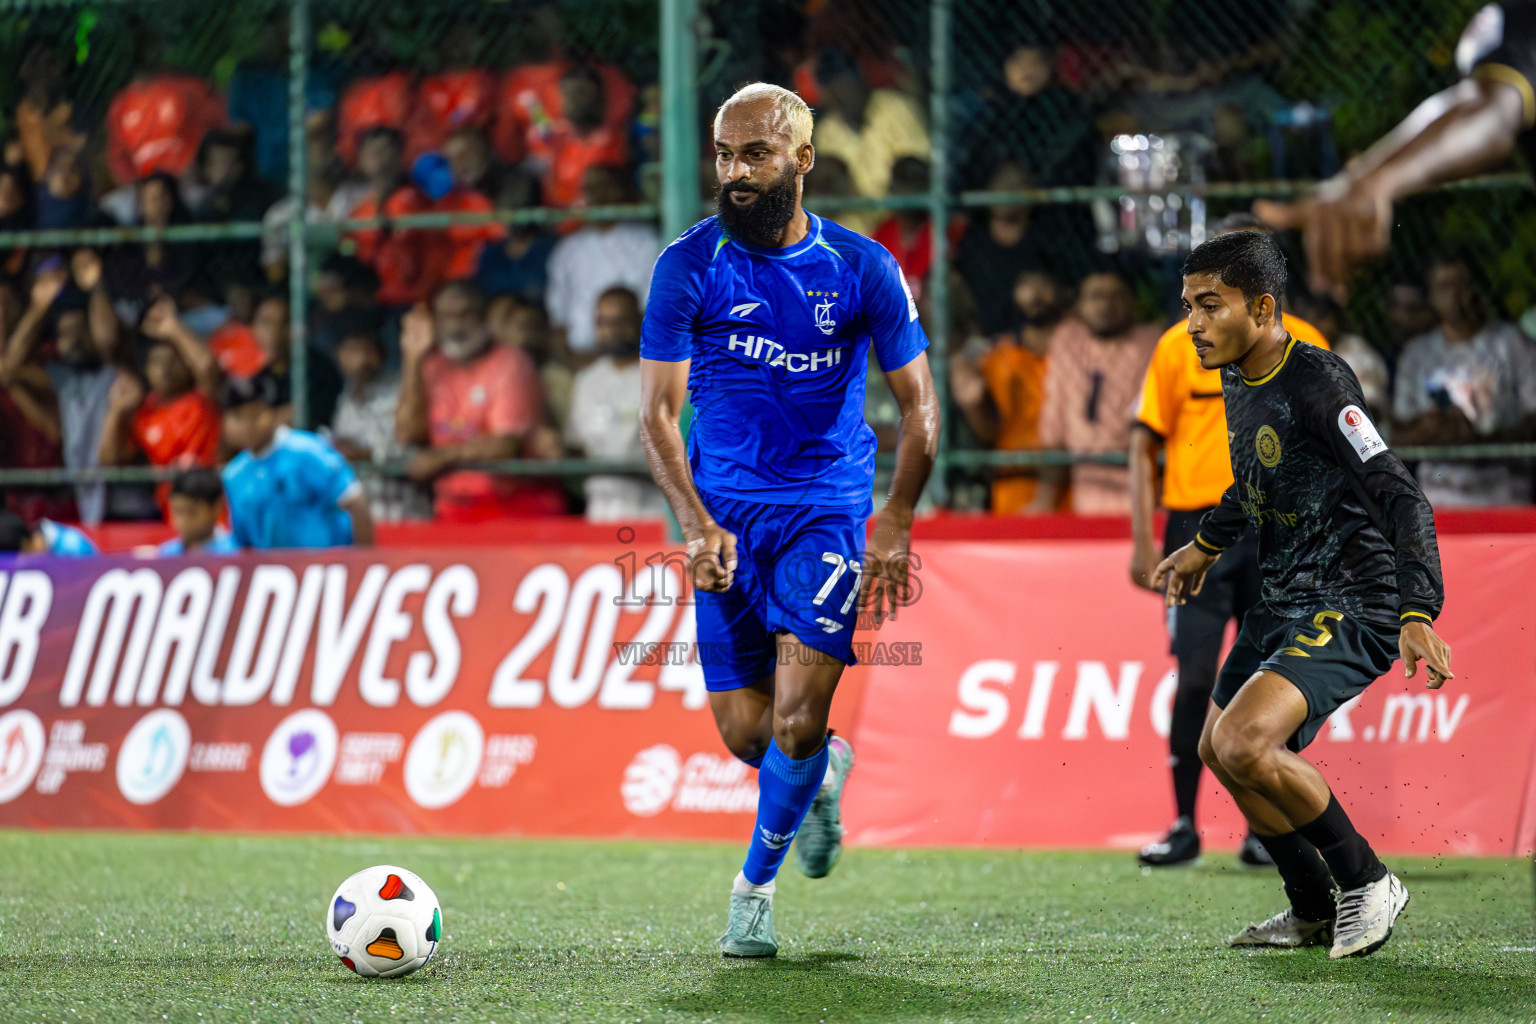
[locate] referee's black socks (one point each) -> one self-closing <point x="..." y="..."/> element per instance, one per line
<point x="1349" y="856"/>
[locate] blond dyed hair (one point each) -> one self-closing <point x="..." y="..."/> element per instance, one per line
<point x="794" y="115"/>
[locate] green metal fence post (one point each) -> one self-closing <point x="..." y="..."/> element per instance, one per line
<point x="679" y="117"/>
<point x="938" y="225"/>
<point x="298" y="189"/>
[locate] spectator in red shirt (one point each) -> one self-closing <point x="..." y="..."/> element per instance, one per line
<point x="561" y="150"/>
<point x="465" y="400"/>
<point x="369" y="103"/>
<point x="408" y="261"/>
<point x="177" y="423"/>
<point x="470" y="162"/>
<point x="464" y="96"/>
<point x="156" y="123"/>
<point x="905" y="232"/>
<point x="473" y="162"/>
<point x="531" y="103"/>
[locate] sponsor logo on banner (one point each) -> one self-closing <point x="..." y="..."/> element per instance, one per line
<point x="658" y="778"/>
<point x="992" y="695"/>
<point x="650" y="780"/>
<point x="364" y="755"/>
<point x="444" y="759"/>
<point x="298" y="757"/>
<point x="153" y="756"/>
<point x="21" y="752"/>
<point x="503" y="754"/>
<point x="68" y="752"/>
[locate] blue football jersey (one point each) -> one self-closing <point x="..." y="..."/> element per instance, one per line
<point x="288" y="496"/>
<point x="66" y="541"/>
<point x="779" y="339"/>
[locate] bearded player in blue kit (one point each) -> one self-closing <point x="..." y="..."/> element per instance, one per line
<point x="765" y="313"/>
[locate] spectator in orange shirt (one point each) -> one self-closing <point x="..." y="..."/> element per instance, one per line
<point x="562" y="151"/>
<point x="531" y="103"/>
<point x="368" y="104"/>
<point x="469" y="160"/>
<point x="463" y="96"/>
<point x="1096" y="362"/>
<point x="408" y="261"/>
<point x="177" y="423"/>
<point x="473" y="162"/>
<point x="466" y="400"/>
<point x="1001" y="392"/>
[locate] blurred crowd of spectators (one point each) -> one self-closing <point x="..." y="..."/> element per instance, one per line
<point x="436" y="350"/>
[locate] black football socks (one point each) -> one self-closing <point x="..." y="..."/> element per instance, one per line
<point x="1350" y="858"/>
<point x="1307" y="880"/>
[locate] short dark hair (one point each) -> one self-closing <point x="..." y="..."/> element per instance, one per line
<point x="272" y="294"/>
<point x="382" y="131"/>
<point x="471" y="291"/>
<point x="621" y="291"/>
<point x="13" y="531"/>
<point x="198" y="483"/>
<point x="364" y="324"/>
<point x="1250" y="261"/>
<point x="263" y="387"/>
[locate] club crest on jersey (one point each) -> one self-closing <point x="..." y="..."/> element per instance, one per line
<point x="1267" y="443"/>
<point x="824" y="319"/>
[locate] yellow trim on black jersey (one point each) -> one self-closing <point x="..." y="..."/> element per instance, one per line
<point x="1509" y="76"/>
<point x="1289" y="345"/>
<point x="1207" y="546"/>
<point x="1421" y="615"/>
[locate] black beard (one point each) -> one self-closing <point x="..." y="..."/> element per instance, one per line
<point x="763" y="222"/>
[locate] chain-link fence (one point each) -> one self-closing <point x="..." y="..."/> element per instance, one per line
<point x="293" y="176"/>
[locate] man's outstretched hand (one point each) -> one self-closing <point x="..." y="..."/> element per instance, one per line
<point x="1345" y="224"/>
<point x="1419" y="640"/>
<point x="1182" y="573"/>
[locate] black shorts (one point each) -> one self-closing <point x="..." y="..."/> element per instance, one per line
<point x="1331" y="657"/>
<point x="1197" y="627"/>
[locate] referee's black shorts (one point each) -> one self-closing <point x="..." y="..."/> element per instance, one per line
<point x="1196" y="628"/>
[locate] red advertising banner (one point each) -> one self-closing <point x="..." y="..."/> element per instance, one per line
<point x="1041" y="711"/>
<point x="386" y="691"/>
<point x="1022" y="699"/>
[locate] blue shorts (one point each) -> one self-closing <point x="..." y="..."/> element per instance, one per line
<point x="797" y="571"/>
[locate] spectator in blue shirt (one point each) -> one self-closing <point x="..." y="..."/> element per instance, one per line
<point x="46" y="538"/>
<point x="287" y="488"/>
<point x="197" y="504"/>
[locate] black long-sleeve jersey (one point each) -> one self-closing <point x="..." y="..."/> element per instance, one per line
<point x="1341" y="522"/>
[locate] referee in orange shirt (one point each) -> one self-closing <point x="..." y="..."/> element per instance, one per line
<point x="1181" y="412"/>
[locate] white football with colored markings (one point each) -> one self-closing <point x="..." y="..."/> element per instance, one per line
<point x="384" y="922"/>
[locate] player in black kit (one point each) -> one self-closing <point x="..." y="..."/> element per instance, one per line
<point x="1351" y="580"/>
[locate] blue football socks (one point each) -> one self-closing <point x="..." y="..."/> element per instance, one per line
<point x="785" y="789"/>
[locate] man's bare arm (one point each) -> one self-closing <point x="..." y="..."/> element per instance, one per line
<point x="1467" y="129"/>
<point x="663" y="393"/>
<point x="917" y="444"/>
<point x="1143" y="463"/>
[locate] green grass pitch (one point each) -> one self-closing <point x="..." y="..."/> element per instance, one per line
<point x="197" y="928"/>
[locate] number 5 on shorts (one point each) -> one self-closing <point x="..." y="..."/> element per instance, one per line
<point x="1324" y="634"/>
